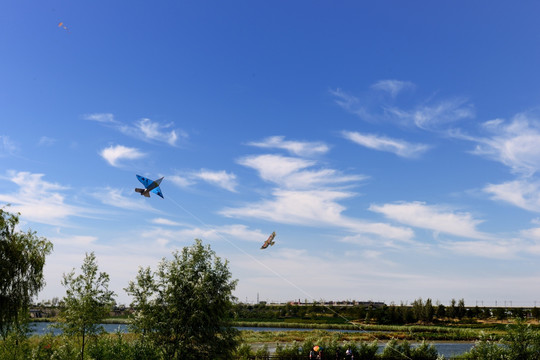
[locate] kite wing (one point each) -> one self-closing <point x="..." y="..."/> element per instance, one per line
<point x="146" y="182"/>
<point x="158" y="192"/>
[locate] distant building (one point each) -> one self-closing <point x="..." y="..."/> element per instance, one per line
<point x="36" y="313"/>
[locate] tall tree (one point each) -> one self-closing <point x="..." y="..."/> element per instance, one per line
<point x="184" y="307"/>
<point x="88" y="300"/>
<point x="22" y="257"/>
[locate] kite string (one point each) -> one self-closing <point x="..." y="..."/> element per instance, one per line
<point x="278" y="274"/>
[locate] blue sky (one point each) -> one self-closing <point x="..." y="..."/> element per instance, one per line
<point x="393" y="146"/>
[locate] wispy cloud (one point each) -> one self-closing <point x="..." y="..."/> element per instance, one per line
<point x="399" y="147"/>
<point x="393" y="87"/>
<point x="429" y="115"/>
<point x="46" y="141"/>
<point x="116" y="153"/>
<point x="307" y="197"/>
<point x="181" y="181"/>
<point x="144" y="129"/>
<point x="522" y="193"/>
<point x="432" y="217"/>
<point x="495" y="249"/>
<point x="163" y="221"/>
<point x="300" y="148"/>
<point x="514" y="144"/>
<point x="231" y="233"/>
<point x="7" y="146"/>
<point x="221" y="178"/>
<point x="149" y="130"/>
<point x="314" y="208"/>
<point x="100" y="117"/>
<point x="116" y="198"/>
<point x="292" y="172"/>
<point x="354" y="105"/>
<point x="39" y="200"/>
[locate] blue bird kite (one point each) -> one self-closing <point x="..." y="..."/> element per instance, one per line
<point x="149" y="186"/>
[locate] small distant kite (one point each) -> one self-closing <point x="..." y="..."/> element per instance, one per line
<point x="269" y="241"/>
<point x="149" y="186"/>
<point x="61" y="25"/>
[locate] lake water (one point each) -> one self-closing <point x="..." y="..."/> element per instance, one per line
<point x="447" y="349"/>
<point x="41" y="328"/>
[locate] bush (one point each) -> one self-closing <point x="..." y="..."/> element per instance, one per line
<point x="288" y="350"/>
<point x="15" y="346"/>
<point x="110" y="348"/>
<point x="366" y="351"/>
<point x="243" y="352"/>
<point x="262" y="353"/>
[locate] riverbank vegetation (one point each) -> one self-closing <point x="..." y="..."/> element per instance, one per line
<point x="185" y="310"/>
<point x="517" y="341"/>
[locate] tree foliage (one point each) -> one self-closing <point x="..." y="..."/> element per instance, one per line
<point x="184" y="307"/>
<point x="22" y="258"/>
<point x="88" y="300"/>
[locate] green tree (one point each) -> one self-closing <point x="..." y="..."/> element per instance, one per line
<point x="183" y="307"/>
<point x="429" y="311"/>
<point x="87" y="302"/>
<point x="451" y="311"/>
<point x="460" y="313"/>
<point x="22" y="257"/>
<point x="142" y="290"/>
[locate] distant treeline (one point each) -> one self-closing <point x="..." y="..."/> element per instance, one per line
<point x="380" y="313"/>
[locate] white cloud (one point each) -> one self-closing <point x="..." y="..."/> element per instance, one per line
<point x="496" y="249"/>
<point x="144" y="129"/>
<point x="100" y="117"/>
<point x="353" y="105"/>
<point x="74" y="241"/>
<point x="7" y="146"/>
<point x="149" y="130"/>
<point x="180" y="181"/>
<point x="307" y="197"/>
<point x="46" y="141"/>
<point x="514" y="144"/>
<point x="393" y="87"/>
<point x="314" y="208"/>
<point x="228" y="233"/>
<point x="38" y="200"/>
<point x="300" y="148"/>
<point x="428" y="116"/>
<point x="115" y="197"/>
<point x="399" y="147"/>
<point x="447" y="111"/>
<point x="219" y="178"/>
<point x="163" y="221"/>
<point x="292" y="172"/>
<point x="435" y="218"/>
<point x="521" y="193"/>
<point x="114" y="154"/>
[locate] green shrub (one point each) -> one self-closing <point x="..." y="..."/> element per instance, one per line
<point x="396" y="351"/>
<point x="287" y="350"/>
<point x="262" y="353"/>
<point x="15" y="347"/>
<point x="243" y="351"/>
<point x="424" y="351"/>
<point x="110" y="348"/>
<point x="44" y="349"/>
<point x="366" y="351"/>
<point x="65" y="348"/>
